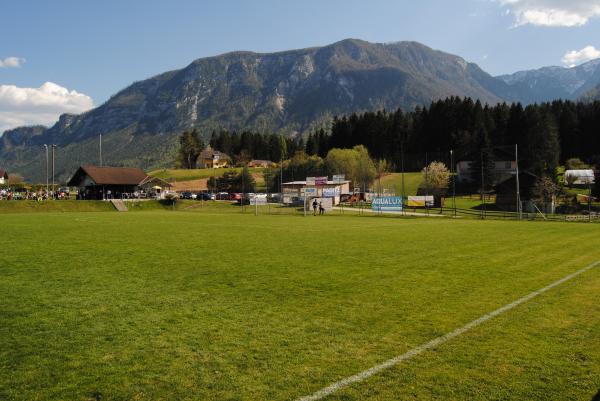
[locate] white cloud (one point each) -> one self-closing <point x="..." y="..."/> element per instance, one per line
<point x="575" y="57"/>
<point x="43" y="105"/>
<point x="12" y="62"/>
<point x="553" y="12"/>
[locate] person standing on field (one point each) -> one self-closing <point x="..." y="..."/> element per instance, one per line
<point x="314" y="205"/>
<point x="321" y="209"/>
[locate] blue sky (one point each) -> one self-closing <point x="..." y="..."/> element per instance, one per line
<point x="97" y="48"/>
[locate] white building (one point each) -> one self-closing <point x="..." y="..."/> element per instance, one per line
<point x="581" y="177"/>
<point x="3" y="177"/>
<point x="296" y="191"/>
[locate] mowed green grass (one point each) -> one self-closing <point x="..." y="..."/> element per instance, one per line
<point x="392" y="183"/>
<point x="215" y="305"/>
<point x="196" y="174"/>
<point x="54" y="206"/>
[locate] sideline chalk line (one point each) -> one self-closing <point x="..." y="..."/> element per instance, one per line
<point x="332" y="388"/>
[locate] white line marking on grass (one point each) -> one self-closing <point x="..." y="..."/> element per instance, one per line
<point x="324" y="392"/>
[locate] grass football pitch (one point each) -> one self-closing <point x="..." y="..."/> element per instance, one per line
<point x="214" y="305"/>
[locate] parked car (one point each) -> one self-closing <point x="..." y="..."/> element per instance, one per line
<point x="205" y="196"/>
<point x="188" y="195"/>
<point x="202" y="196"/>
<point x="222" y="196"/>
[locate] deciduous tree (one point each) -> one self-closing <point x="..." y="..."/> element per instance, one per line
<point x="437" y="175"/>
<point x="190" y="146"/>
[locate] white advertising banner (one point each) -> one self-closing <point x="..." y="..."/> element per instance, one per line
<point x="331" y="192"/>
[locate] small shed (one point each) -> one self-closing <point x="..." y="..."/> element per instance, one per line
<point x="154" y="185"/>
<point x="506" y="191"/>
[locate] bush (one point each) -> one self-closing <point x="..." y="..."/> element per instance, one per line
<point x="575" y="164"/>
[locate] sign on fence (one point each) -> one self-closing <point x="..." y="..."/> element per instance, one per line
<point x="258" y="200"/>
<point x="311" y="180"/>
<point x="387" y="204"/>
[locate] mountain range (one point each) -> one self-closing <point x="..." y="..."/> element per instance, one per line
<point x="549" y="83"/>
<point x="290" y="92"/>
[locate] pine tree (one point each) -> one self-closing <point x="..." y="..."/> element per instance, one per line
<point x="312" y="144"/>
<point x="244" y="182"/>
<point x="482" y="165"/>
<point x="596" y="187"/>
<point x="283" y="148"/>
<point x="322" y="143"/>
<point x="542" y="147"/>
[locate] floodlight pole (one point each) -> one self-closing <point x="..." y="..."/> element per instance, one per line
<point x="242" y="197"/>
<point x="215" y="175"/>
<point x="402" y="165"/>
<point x="47" y="189"/>
<point x="53" y="151"/>
<point x="453" y="181"/>
<point x="100" y="150"/>
<point x="589" y="182"/>
<point x="517" y="177"/>
<point x="482" y="187"/>
<point x="267" y="189"/>
<point x="426" y="182"/>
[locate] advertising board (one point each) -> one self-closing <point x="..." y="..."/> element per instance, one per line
<point x="387" y="204"/>
<point x="320" y="180"/>
<point x="331" y="192"/>
<point x="420" y="201"/>
<point x="308" y="191"/>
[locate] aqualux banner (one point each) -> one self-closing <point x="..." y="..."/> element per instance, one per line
<point x="387" y="204"/>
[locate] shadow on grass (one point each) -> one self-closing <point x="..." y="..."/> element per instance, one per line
<point x="488" y="206"/>
<point x="596" y="397"/>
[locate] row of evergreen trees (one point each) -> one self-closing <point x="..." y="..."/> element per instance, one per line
<point x="546" y="134"/>
<point x="241" y="147"/>
<point x="248" y="145"/>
